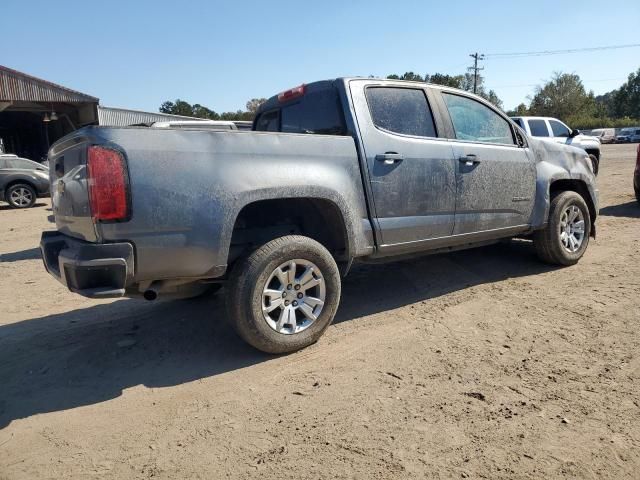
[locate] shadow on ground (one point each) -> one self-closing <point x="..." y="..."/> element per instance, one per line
<point x="29" y="254"/>
<point x="629" y="209"/>
<point x="37" y="204"/>
<point x="91" y="355"/>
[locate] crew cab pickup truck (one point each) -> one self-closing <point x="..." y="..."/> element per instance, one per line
<point x="333" y="172"/>
<point x="554" y="130"/>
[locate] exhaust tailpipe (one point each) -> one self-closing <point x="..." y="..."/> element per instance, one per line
<point x="152" y="292"/>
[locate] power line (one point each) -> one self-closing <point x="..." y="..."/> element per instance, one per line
<point x="559" y="52"/>
<point x="586" y="80"/>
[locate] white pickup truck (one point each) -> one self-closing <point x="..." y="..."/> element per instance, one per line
<point x="557" y="131"/>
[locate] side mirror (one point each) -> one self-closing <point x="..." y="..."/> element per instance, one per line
<point x="574" y="133"/>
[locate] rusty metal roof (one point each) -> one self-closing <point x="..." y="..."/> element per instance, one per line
<point x="122" y="117"/>
<point x="17" y="86"/>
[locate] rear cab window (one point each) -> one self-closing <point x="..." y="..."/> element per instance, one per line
<point x="316" y="111"/>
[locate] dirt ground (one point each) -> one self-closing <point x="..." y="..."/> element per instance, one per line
<point x="478" y="364"/>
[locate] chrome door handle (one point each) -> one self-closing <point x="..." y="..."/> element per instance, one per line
<point x="469" y="160"/>
<point x="389" y="158"/>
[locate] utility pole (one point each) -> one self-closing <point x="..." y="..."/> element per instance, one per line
<point x="476" y="56"/>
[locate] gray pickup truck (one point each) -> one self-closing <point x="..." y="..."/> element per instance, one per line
<point x="333" y="171"/>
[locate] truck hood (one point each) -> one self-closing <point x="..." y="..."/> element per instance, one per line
<point x="586" y="140"/>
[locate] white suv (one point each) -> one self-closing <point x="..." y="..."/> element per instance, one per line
<point x="557" y="131"/>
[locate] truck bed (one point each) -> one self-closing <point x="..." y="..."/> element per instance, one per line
<point x="188" y="186"/>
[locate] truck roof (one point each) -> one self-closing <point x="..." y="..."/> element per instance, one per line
<point x="275" y="100"/>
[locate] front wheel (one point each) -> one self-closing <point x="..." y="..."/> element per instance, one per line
<point x="284" y="295"/>
<point x="565" y="238"/>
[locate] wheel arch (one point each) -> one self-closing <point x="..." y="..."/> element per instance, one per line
<point x="317" y="217"/>
<point x="580" y="187"/>
<point x="593" y="151"/>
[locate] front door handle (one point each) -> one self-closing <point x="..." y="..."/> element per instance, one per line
<point x="469" y="160"/>
<point x="389" y="158"/>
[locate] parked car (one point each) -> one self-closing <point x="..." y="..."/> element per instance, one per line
<point x="22" y="181"/>
<point x="605" y="135"/>
<point x="554" y="129"/>
<point x="335" y="172"/>
<point x="636" y="176"/>
<point x="628" y="135"/>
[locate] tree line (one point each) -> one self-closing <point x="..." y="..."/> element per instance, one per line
<point x="180" y="107"/>
<point x="563" y="97"/>
<point x="462" y="82"/>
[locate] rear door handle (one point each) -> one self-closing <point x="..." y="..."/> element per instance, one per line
<point x="389" y="158"/>
<point x="469" y="160"/>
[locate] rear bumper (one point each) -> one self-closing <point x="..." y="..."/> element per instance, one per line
<point x="93" y="270"/>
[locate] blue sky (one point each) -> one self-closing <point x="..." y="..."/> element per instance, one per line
<point x="137" y="54"/>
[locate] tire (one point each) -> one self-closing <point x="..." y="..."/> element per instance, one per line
<point x="21" y="195"/>
<point x="269" y="268"/>
<point x="549" y="243"/>
<point x="595" y="162"/>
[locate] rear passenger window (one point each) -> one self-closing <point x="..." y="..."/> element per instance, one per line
<point x="538" y="128"/>
<point x="401" y="110"/>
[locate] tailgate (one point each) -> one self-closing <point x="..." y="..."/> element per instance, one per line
<point x="69" y="193"/>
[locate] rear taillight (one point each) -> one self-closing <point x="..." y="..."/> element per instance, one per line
<point x="108" y="184"/>
<point x="291" y="93"/>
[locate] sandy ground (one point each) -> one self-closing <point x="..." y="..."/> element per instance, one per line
<point x="478" y="364"/>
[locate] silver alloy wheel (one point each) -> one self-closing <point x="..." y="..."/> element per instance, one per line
<point x="572" y="228"/>
<point x="293" y="296"/>
<point x="21" y="197"/>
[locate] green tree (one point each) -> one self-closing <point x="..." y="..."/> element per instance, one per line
<point x="167" y="107"/>
<point x="413" y="77"/>
<point x="200" y="111"/>
<point x="253" y="104"/>
<point x="519" y="111"/>
<point x="626" y="100"/>
<point x="454" y="81"/>
<point x="179" y="107"/>
<point x="563" y="97"/>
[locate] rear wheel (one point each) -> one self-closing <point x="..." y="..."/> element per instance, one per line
<point x="20" y="195"/>
<point x="566" y="236"/>
<point x="284" y="295"/>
